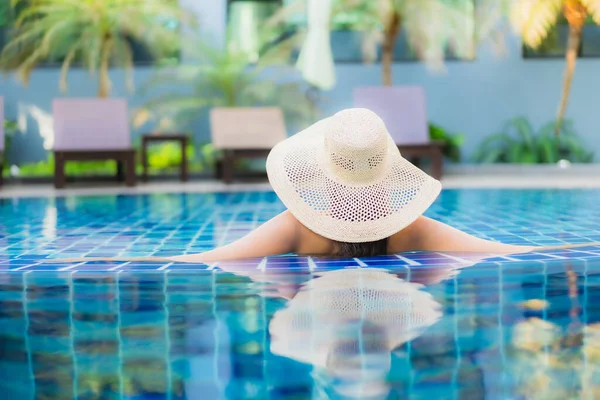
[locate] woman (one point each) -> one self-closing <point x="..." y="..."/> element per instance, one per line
<point x="349" y="193"/>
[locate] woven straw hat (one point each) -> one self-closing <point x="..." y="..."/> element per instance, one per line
<point x="344" y="179"/>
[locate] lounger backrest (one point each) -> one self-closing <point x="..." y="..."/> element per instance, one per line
<point x="402" y="108"/>
<point x="91" y="124"/>
<point x="247" y="128"/>
<point x="2" y="123"/>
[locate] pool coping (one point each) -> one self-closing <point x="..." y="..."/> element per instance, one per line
<point x="458" y="181"/>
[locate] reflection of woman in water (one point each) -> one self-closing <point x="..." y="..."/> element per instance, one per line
<point x="349" y="193"/>
<point x="347" y="322"/>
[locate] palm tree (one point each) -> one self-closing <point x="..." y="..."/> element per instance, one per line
<point x="534" y="19"/>
<point x="97" y="33"/>
<point x="431" y="26"/>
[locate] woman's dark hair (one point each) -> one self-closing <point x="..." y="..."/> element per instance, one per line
<point x="366" y="249"/>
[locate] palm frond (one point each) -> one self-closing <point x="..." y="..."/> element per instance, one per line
<point x="75" y="30"/>
<point x="489" y="16"/>
<point x="225" y="78"/>
<point x="522" y="127"/>
<point x="433" y="26"/>
<point x="65" y="68"/>
<point x="593" y="9"/>
<point x="533" y="19"/>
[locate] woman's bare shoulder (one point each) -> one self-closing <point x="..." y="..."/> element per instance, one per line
<point x="426" y="234"/>
<point x="311" y="243"/>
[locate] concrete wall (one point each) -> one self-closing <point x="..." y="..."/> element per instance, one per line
<point x="471" y="97"/>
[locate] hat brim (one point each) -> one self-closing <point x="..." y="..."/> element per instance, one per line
<point x="346" y="211"/>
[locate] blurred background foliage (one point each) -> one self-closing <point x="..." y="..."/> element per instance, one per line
<point x="221" y="78"/>
<point x="93" y="34"/>
<point x="253" y="69"/>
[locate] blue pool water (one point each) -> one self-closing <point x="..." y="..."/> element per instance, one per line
<point x="412" y="326"/>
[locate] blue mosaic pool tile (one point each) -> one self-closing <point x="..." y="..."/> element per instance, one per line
<point x="388" y="262"/>
<point x="32" y="230"/>
<point x="532" y="256"/>
<point x="335" y="263"/>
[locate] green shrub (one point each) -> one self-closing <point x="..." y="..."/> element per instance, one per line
<point x="518" y="143"/>
<point x="164" y="157"/>
<point x="452" y="142"/>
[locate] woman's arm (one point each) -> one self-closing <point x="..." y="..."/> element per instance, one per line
<point x="426" y="234"/>
<point x="276" y="236"/>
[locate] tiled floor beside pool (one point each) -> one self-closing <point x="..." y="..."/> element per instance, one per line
<point x="411" y="326"/>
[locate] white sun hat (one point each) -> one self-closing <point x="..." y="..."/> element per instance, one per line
<point x="345" y="179"/>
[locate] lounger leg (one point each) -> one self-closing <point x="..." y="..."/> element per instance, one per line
<point x="227" y="167"/>
<point x="219" y="169"/>
<point x="184" y="161"/>
<point x="437" y="164"/>
<point x="120" y="174"/>
<point x="144" y="161"/>
<point x="130" y="169"/>
<point x="59" y="170"/>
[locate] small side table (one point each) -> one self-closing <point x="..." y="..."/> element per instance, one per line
<point x="165" y="137"/>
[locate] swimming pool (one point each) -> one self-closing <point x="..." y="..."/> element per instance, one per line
<point x="412" y="326"/>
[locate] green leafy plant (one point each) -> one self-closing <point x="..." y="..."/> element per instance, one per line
<point x="452" y="142"/>
<point x="97" y="33"/>
<point x="519" y="143"/>
<point x="221" y="78"/>
<point x="45" y="168"/>
<point x="5" y="13"/>
<point x="165" y="157"/>
<point x="10" y="127"/>
<point x="168" y="155"/>
<point x="362" y="16"/>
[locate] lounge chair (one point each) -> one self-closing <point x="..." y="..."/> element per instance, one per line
<point x="404" y="111"/>
<point x="1" y="140"/>
<point x="244" y="133"/>
<point x="92" y="129"/>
